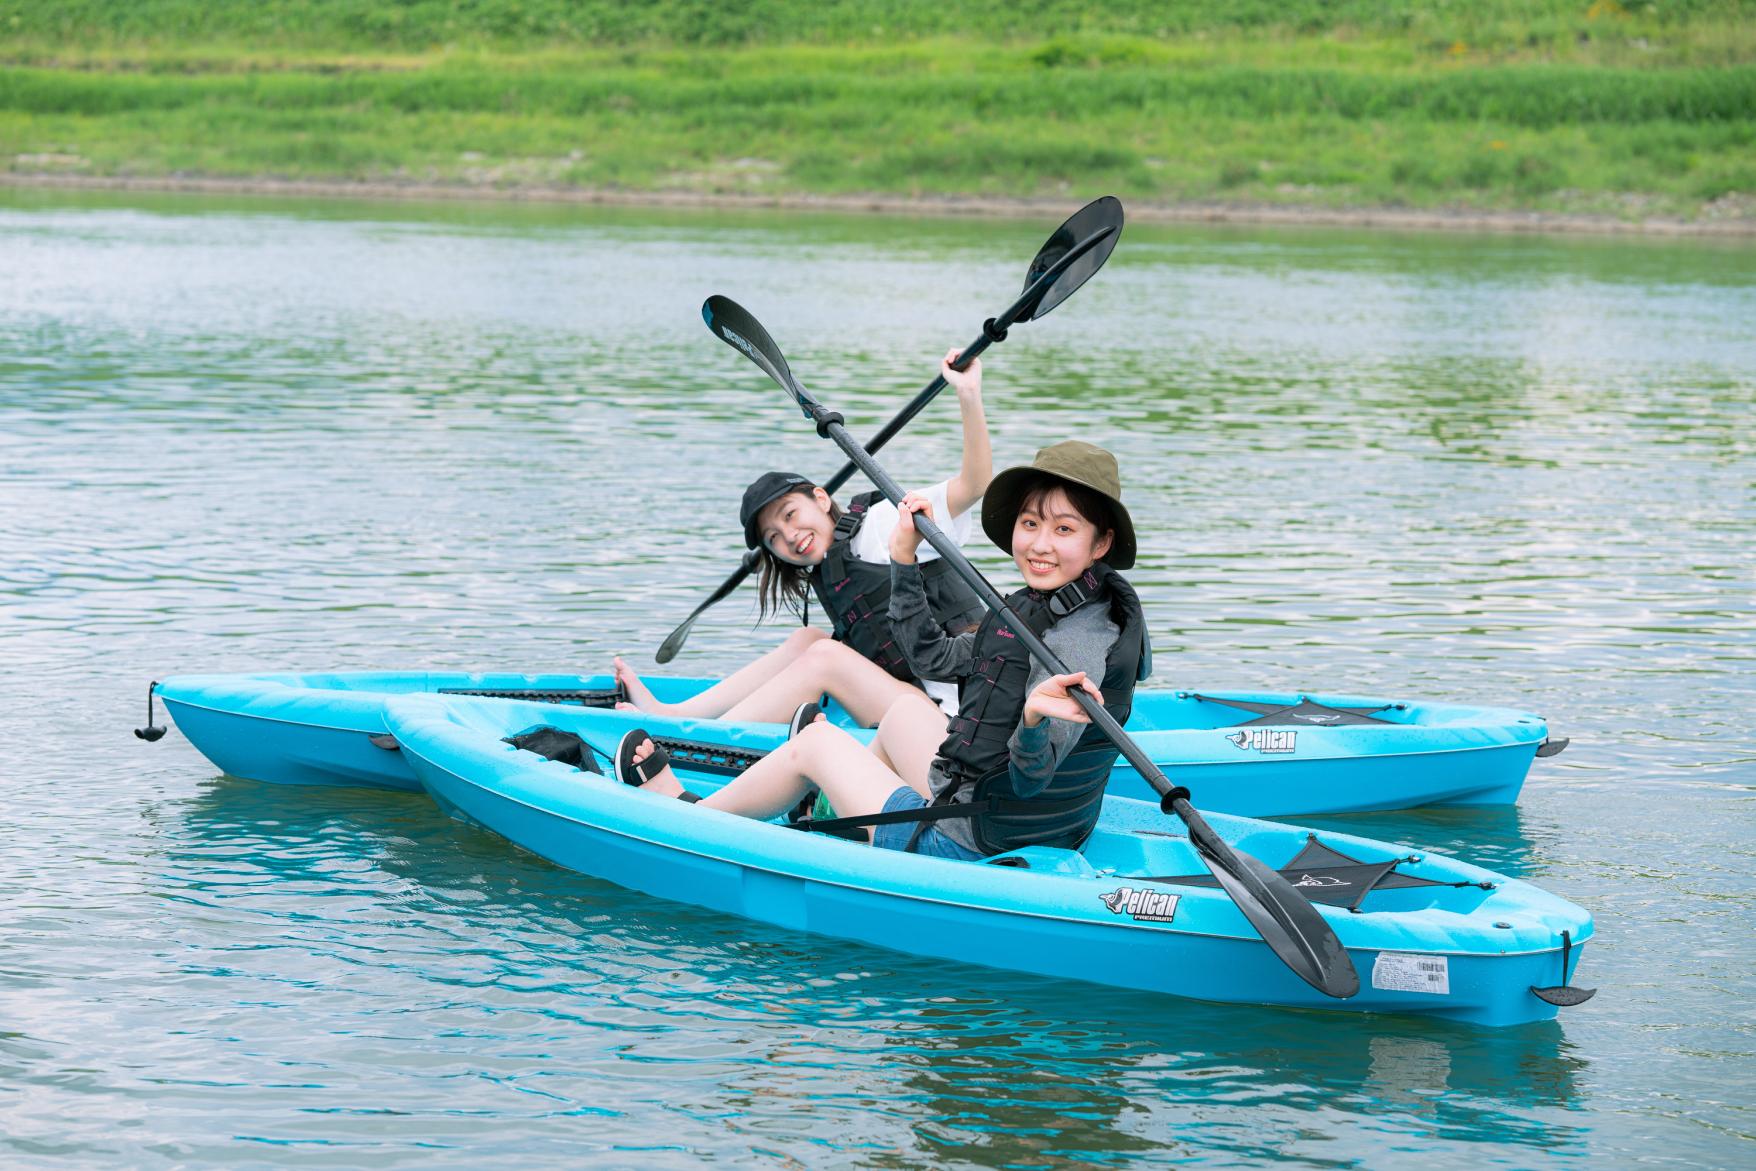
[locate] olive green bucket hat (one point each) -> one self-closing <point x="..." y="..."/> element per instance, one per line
<point x="1077" y="462"/>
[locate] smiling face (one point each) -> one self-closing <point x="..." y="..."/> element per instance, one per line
<point x="1053" y="542"/>
<point x="797" y="527"/>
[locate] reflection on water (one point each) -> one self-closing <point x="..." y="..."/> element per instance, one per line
<point x="752" y="1028"/>
<point x="259" y="435"/>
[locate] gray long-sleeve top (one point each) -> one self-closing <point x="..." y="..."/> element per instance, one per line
<point x="1083" y="641"/>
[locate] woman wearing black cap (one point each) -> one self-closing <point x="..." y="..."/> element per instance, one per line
<point x="806" y="541"/>
<point x="1021" y="756"/>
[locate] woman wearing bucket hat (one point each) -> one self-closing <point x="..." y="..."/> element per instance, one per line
<point x="807" y="542"/>
<point x="1020" y="764"/>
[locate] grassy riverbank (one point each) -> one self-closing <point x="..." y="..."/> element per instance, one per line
<point x="1543" y="106"/>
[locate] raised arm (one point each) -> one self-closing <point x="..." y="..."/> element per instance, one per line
<point x="972" y="478"/>
<point x="931" y="653"/>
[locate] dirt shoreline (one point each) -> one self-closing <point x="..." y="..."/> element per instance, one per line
<point x="1398" y="219"/>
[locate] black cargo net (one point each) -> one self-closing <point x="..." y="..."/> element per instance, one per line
<point x="538" y="695"/>
<point x="1328" y="876"/>
<point x="1306" y="711"/>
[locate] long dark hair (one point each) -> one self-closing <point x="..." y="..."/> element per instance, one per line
<point x="783" y="585"/>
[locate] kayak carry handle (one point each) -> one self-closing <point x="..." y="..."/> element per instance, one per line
<point x="1564" y="995"/>
<point x="152" y="731"/>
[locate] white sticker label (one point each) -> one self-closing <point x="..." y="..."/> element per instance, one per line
<point x="1395" y="971"/>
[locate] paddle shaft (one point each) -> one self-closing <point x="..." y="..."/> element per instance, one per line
<point x="903" y="417"/>
<point x="752" y="558"/>
<point x="1174" y="799"/>
<point x="830" y="424"/>
<point x="1288" y="923"/>
<point x="993" y="330"/>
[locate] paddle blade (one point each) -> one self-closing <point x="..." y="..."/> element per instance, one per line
<point x="668" y="649"/>
<point x="734" y="325"/>
<point x="1093" y="217"/>
<point x="1287" y="922"/>
<point x="674" y="643"/>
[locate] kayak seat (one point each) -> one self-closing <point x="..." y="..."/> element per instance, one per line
<point x="1045" y="860"/>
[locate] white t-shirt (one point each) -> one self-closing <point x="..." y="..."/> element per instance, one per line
<point x="872" y="544"/>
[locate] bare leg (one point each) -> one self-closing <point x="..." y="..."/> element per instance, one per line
<point x="719" y="699"/>
<point x="864" y="688"/>
<point x="908" y="739"/>
<point x="855" y="780"/>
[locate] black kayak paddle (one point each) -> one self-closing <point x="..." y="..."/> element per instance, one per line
<point x="1287" y="922"/>
<point x="1078" y="249"/>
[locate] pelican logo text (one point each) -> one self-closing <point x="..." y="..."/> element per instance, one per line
<point x="1146" y="906"/>
<point x="1321" y="880"/>
<point x="1266" y="739"/>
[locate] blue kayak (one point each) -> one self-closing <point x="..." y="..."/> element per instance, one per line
<point x="1252" y="753"/>
<point x="1134" y="908"/>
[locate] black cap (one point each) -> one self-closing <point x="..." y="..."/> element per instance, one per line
<point x="769" y="487"/>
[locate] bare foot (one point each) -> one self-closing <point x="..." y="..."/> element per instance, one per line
<point x="639" y="695"/>
<point x="666" y="782"/>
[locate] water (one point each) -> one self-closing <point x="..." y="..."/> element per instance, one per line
<point x="253" y="435"/>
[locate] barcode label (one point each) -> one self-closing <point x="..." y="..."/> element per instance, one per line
<point x="1395" y="971"/>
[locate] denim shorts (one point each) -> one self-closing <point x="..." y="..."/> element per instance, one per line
<point x="931" y="843"/>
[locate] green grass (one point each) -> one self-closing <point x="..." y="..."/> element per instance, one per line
<point x="1492" y="105"/>
<point x="418" y="25"/>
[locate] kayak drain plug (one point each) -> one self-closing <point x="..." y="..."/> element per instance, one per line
<point x="151" y="732"/>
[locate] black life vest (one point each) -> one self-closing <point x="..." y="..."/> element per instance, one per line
<point x="991" y="704"/>
<point x="856" y="595"/>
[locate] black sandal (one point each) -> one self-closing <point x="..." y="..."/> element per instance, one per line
<point x="803" y="717"/>
<point x="630" y="773"/>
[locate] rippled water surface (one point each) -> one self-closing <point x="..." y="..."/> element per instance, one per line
<point x="249" y="436"/>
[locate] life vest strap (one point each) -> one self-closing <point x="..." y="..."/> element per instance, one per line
<point x="926" y="813"/>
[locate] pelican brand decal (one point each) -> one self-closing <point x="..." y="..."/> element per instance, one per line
<point x="1266" y="739"/>
<point x="1321" y="880"/>
<point x="1145" y="906"/>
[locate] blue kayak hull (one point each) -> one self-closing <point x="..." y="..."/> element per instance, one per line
<point x="316" y="729"/>
<point x="1052" y="919"/>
